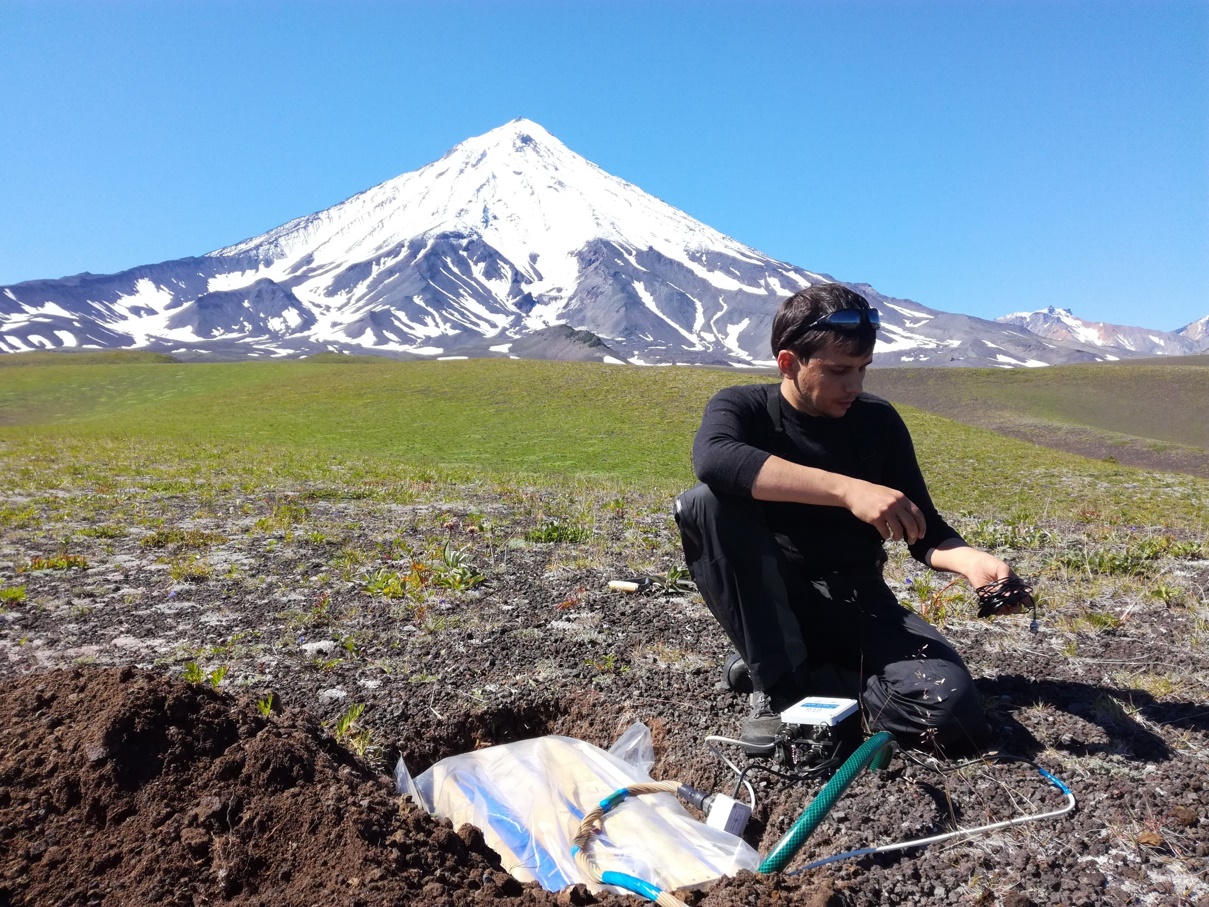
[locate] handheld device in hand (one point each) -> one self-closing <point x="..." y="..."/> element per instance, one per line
<point x="1003" y="595"/>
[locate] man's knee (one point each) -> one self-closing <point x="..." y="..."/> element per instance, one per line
<point x="929" y="701"/>
<point x="694" y="509"/>
<point x="719" y="526"/>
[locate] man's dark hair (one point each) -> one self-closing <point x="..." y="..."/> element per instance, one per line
<point x="815" y="302"/>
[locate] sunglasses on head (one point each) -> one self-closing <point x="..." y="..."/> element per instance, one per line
<point x="845" y="320"/>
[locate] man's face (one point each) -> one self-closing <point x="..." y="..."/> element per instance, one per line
<point x="824" y="385"/>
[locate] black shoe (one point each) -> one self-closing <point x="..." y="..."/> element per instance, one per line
<point x="760" y="729"/>
<point x="735" y="674"/>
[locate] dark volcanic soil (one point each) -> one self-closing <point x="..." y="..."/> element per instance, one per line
<point x="121" y="783"/>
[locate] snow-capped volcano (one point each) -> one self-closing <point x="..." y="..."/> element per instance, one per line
<point x="1064" y="326"/>
<point x="517" y="189"/>
<point x="510" y="244"/>
<point x="495" y="238"/>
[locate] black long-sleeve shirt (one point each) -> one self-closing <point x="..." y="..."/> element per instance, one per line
<point x="744" y="426"/>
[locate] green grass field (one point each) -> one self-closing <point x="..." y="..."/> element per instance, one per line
<point x="289" y="421"/>
<point x="1158" y="400"/>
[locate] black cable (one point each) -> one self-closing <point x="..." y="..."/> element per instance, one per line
<point x="805" y="775"/>
<point x="994" y="598"/>
<point x="739" y="784"/>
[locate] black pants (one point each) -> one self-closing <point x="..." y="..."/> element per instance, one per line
<point x="835" y="634"/>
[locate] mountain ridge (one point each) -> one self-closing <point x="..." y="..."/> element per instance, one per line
<point x="507" y="235"/>
<point x="1062" y="324"/>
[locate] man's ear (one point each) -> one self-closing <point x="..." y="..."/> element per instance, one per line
<point x="788" y="364"/>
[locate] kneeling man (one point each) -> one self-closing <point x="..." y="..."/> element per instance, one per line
<point x="802" y="483"/>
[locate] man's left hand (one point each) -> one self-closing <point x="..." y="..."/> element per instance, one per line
<point x="979" y="567"/>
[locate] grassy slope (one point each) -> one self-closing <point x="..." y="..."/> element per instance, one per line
<point x="272" y="420"/>
<point x="1154" y="399"/>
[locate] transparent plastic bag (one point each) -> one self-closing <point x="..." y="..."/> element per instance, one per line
<point x="529" y="798"/>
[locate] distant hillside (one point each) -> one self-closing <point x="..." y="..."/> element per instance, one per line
<point x="1146" y="413"/>
<point x="1063" y="326"/>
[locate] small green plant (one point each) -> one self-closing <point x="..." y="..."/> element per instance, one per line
<point x="1159" y="686"/>
<point x="347" y="563"/>
<point x="675" y="582"/>
<point x="1015" y="532"/>
<point x="180" y="538"/>
<point x="931" y="600"/>
<point x="454" y="571"/>
<point x="436" y="623"/>
<point x="193" y="673"/>
<point x="1106" y="563"/>
<point x="282" y="517"/>
<point x="267" y="704"/>
<point x="557" y="531"/>
<point x="607" y="664"/>
<point x="1102" y="621"/>
<point x="13" y="595"/>
<point x="346" y="722"/>
<point x="58" y="562"/>
<point x="1168" y="595"/>
<point x="104" y="532"/>
<point x="1136" y="559"/>
<point x="12" y="518"/>
<point x="1188" y="550"/>
<point x="393" y="584"/>
<point x="217" y="675"/>
<point x="349" y="732"/>
<point x="190" y="569"/>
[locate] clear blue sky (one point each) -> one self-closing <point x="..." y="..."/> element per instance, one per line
<point x="980" y="156"/>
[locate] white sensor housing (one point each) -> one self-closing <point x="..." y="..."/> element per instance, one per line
<point x="819" y="710"/>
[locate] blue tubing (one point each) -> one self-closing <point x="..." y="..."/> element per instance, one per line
<point x="876" y="751"/>
<point x="631" y="883"/>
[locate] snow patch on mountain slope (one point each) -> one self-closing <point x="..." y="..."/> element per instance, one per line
<point x="517" y="187"/>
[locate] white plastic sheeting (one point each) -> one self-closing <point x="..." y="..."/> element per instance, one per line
<point x="529" y="798"/>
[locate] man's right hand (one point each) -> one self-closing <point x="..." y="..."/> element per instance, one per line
<point x="887" y="510"/>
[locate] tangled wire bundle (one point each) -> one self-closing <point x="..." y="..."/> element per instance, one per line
<point x="1002" y="596"/>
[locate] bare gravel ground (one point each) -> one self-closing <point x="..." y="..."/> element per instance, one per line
<point x="468" y="613"/>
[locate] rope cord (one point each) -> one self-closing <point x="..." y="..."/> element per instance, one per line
<point x="587" y="828"/>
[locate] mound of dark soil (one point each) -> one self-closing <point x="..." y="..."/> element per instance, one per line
<point x="120" y="786"/>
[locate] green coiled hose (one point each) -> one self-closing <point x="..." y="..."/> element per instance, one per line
<point x="875" y="753"/>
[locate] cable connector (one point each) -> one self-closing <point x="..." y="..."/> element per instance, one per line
<point x="727" y="814"/>
<point x="721" y="812"/>
<point x="697" y="799"/>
